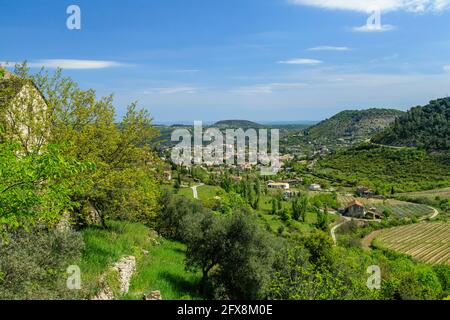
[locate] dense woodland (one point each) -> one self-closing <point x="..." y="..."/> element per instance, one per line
<point x="426" y="127"/>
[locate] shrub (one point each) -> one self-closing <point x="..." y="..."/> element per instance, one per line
<point x="33" y="264"/>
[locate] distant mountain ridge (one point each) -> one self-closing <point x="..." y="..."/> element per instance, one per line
<point x="237" y="124"/>
<point x="353" y="124"/>
<point x="426" y="127"/>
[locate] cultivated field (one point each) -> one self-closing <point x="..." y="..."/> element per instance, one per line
<point x="430" y="194"/>
<point x="399" y="209"/>
<point x="426" y="242"/>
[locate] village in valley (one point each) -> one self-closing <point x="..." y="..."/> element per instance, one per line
<point x="343" y="203"/>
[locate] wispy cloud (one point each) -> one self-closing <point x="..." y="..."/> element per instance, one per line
<point x="173" y="90"/>
<point x="383" y="5"/>
<point x="388" y="58"/>
<point x="301" y="61"/>
<point x="374" y="28"/>
<point x="447" y="68"/>
<point x="267" y="88"/>
<point x="71" y="64"/>
<point x="329" y="48"/>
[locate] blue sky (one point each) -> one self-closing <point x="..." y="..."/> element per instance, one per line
<point x="262" y="60"/>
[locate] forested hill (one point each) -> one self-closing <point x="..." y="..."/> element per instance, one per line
<point x="354" y="124"/>
<point x="426" y="127"/>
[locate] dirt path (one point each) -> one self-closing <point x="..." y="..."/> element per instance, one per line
<point x="435" y="213"/>
<point x="367" y="241"/>
<point x="194" y="190"/>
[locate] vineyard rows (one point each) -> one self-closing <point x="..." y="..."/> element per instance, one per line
<point x="427" y="242"/>
<point x="398" y="208"/>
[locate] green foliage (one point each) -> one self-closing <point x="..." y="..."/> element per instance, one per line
<point x="383" y="168"/>
<point x="310" y="272"/>
<point x="426" y="127"/>
<point x="232" y="253"/>
<point x="33" y="264"/>
<point x="37" y="187"/>
<point x="319" y="245"/>
<point x="406" y="280"/>
<point x="163" y="269"/>
<point x="322" y="219"/>
<point x="126" y="180"/>
<point x="300" y="207"/>
<point x="173" y="210"/>
<point x="322" y="200"/>
<point x="249" y="188"/>
<point x="160" y="262"/>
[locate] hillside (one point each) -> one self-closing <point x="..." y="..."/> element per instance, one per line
<point x="353" y="124"/>
<point x="237" y="124"/>
<point x="383" y="168"/>
<point x="425" y="127"/>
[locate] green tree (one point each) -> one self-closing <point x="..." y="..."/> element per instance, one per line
<point x="235" y="248"/>
<point x="37" y="188"/>
<point x="125" y="184"/>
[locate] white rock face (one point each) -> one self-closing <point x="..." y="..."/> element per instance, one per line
<point x="125" y="267"/>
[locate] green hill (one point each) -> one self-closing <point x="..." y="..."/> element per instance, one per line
<point x="383" y="168"/>
<point x="353" y="124"/>
<point x="426" y="127"/>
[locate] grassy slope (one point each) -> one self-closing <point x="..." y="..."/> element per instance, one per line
<point x="164" y="270"/>
<point x="106" y="246"/>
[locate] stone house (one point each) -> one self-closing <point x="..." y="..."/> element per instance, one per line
<point x="23" y="112"/>
<point x="355" y="209"/>
<point x="365" y="192"/>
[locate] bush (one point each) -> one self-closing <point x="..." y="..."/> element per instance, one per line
<point x="33" y="264"/>
<point x="173" y="210"/>
<point x="234" y="255"/>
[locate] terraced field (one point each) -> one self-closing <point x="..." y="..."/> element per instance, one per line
<point x="441" y="193"/>
<point x="404" y="209"/>
<point x="426" y="242"/>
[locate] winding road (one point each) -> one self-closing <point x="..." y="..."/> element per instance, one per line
<point x="333" y="230"/>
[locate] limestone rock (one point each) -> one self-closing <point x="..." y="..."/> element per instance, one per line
<point x="125" y="267"/>
<point x="155" y="295"/>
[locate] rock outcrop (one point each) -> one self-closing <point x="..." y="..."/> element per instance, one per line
<point x="124" y="270"/>
<point x="155" y="295"/>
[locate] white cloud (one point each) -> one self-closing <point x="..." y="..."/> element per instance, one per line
<point x="374" y="28"/>
<point x="329" y="48"/>
<point x="173" y="90"/>
<point x="70" y="64"/>
<point x="447" y="68"/>
<point x="267" y="88"/>
<point x="383" y="5"/>
<point x="76" y="64"/>
<point x="301" y="61"/>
